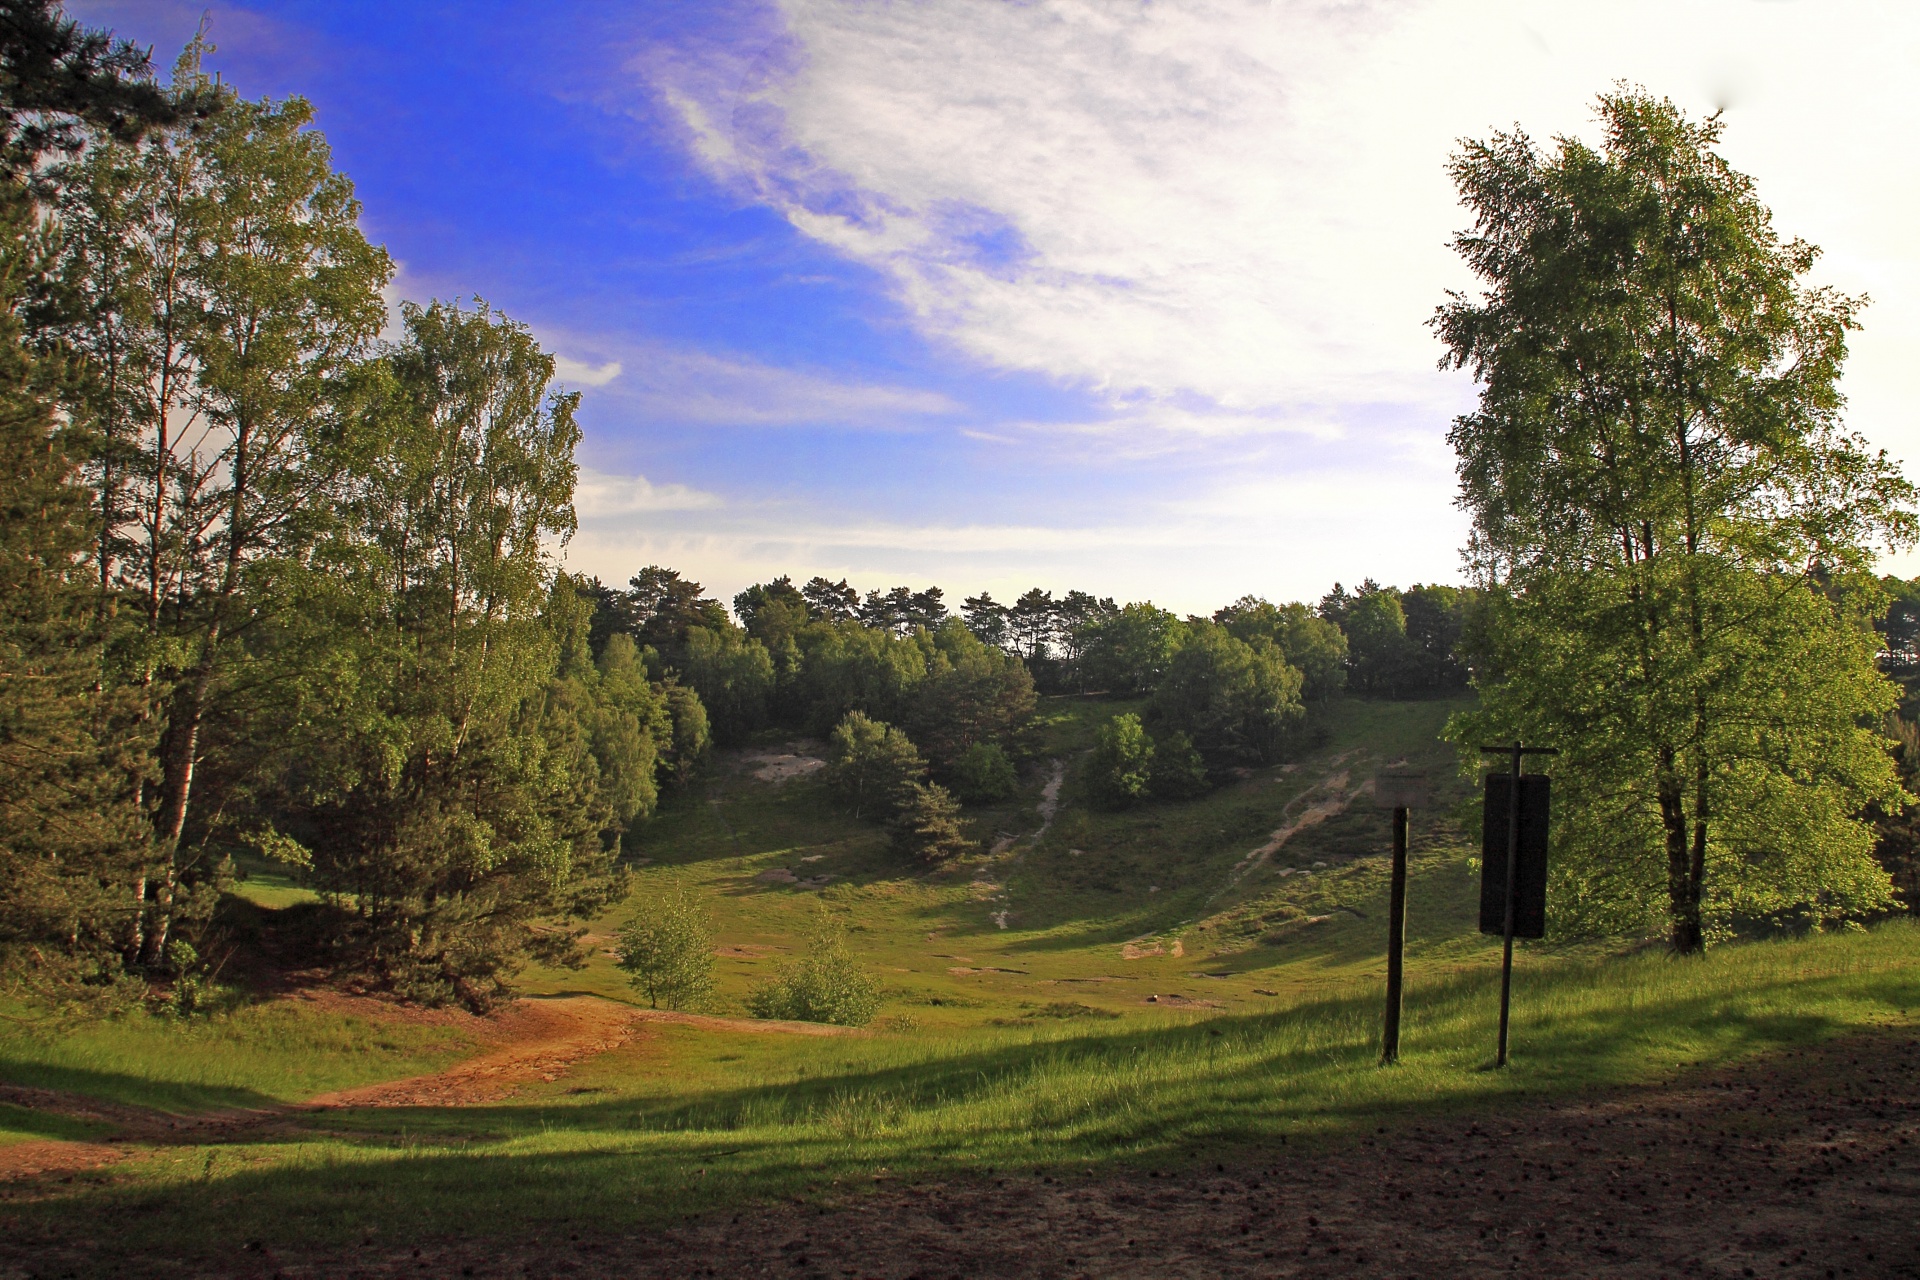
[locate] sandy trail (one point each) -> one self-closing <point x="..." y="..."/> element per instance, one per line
<point x="1335" y="792"/>
<point x="1049" y="807"/>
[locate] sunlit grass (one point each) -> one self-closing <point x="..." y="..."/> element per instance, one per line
<point x="281" y="1051"/>
<point x="663" y="1130"/>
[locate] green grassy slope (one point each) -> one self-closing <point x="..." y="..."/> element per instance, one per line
<point x="1102" y="909"/>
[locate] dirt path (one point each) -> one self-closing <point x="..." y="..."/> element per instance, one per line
<point x="530" y="1040"/>
<point x="983" y="885"/>
<point x="1800" y="1167"/>
<point x="538" y="1039"/>
<point x="1335" y="793"/>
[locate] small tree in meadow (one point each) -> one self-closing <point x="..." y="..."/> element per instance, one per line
<point x="827" y="985"/>
<point x="1118" y="771"/>
<point x="871" y="764"/>
<point x="927" y="825"/>
<point x="667" y="952"/>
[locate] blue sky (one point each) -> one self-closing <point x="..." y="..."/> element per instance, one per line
<point x="1069" y="293"/>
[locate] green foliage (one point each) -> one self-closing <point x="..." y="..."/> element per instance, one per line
<point x="1120" y="766"/>
<point x="1177" y="772"/>
<point x="870" y="765"/>
<point x="1239" y="703"/>
<point x="984" y="774"/>
<point x="666" y="951"/>
<point x="926" y="825"/>
<point x="1676" y="530"/>
<point x="1129" y="651"/>
<point x="1313" y="644"/>
<point x="733" y="675"/>
<point x="449" y="776"/>
<point x="827" y="985"/>
<point x="971" y="694"/>
<point x="1379" y="652"/>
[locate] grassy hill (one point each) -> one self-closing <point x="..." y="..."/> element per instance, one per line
<point x="1151" y="987"/>
<point x="1200" y="904"/>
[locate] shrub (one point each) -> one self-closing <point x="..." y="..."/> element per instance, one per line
<point x="827" y="985"/>
<point x="1118" y="769"/>
<point x="1177" y="772"/>
<point x="984" y="774"/>
<point x="667" y="952"/>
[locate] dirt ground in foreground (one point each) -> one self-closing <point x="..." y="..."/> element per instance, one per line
<point x="1805" y="1165"/>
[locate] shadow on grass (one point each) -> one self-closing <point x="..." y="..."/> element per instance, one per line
<point x="160" y="1097"/>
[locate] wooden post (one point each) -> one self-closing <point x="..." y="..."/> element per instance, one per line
<point x="1396" y="938"/>
<point x="1398" y="790"/>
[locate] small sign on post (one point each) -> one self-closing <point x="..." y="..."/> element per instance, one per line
<point x="1511" y="792"/>
<point x="1398" y="790"/>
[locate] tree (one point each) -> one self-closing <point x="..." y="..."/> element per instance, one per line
<point x="926" y="824"/>
<point x="1031" y="624"/>
<point x="1673" y="529"/>
<point x="443" y="784"/>
<point x="1436" y="621"/>
<point x="733" y="674"/>
<point x="1127" y="652"/>
<point x="73" y="748"/>
<point x="827" y="985"/>
<point x="1121" y="763"/>
<point x="971" y="693"/>
<point x="240" y="302"/>
<point x="1239" y="703"/>
<point x="831" y="601"/>
<point x="1379" y="655"/>
<point x="666" y="951"/>
<point x="871" y="764"/>
<point x="987" y="619"/>
<point x="984" y="774"/>
<point x="1310" y="642"/>
<point x="1177" y="771"/>
<point x="661" y="607"/>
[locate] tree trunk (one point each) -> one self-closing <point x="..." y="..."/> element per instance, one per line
<point x="1683" y="885"/>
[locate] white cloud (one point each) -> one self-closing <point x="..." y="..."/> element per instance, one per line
<point x="658" y="382"/>
<point x="1243" y="203"/>
<point x="599" y="496"/>
<point x="581" y="373"/>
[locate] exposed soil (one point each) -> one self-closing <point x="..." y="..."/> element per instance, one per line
<point x="1802" y="1166"/>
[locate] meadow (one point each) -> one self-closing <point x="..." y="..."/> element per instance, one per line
<point x="1144" y="989"/>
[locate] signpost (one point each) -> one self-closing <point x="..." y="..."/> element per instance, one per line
<point x="1398" y="790"/>
<point x="1525" y="797"/>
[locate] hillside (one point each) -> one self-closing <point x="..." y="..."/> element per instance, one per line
<point x="1269" y="888"/>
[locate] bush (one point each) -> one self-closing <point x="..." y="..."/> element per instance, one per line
<point x="927" y="825"/>
<point x="1117" y="772"/>
<point x="984" y="774"/>
<point x="827" y="985"/>
<point x="1177" y="772"/>
<point x="667" y="952"/>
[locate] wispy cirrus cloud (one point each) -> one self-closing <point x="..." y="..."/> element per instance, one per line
<point x="659" y="382"/>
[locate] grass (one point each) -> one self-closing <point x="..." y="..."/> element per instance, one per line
<point x="621" y="1142"/>
<point x="1125" y="989"/>
<point x="258" y="1055"/>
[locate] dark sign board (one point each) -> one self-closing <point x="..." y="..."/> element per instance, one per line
<point x="1530" y="903"/>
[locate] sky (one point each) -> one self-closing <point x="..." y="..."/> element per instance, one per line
<point x="1123" y="297"/>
